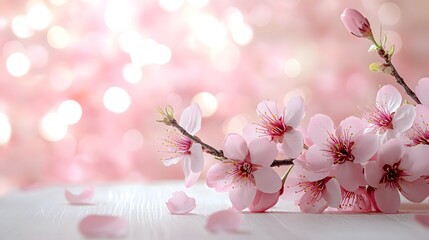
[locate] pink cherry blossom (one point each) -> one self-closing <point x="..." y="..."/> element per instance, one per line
<point x="180" y="203"/>
<point x="341" y="151"/>
<point x="246" y="171"/>
<point x="357" y="201"/>
<point x="419" y="132"/>
<point x="184" y="148"/>
<point x="398" y="168"/>
<point x="224" y="221"/>
<point x="312" y="196"/>
<point x="356" y="23"/>
<point x="387" y="117"/>
<point x="280" y="126"/>
<point x="422" y="90"/>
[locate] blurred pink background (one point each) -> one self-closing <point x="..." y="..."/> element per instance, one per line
<point x="80" y="79"/>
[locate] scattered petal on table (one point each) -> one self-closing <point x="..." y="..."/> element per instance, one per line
<point x="81" y="198"/>
<point x="224" y="221"/>
<point x="423" y="219"/>
<point x="180" y="203"/>
<point x="103" y="226"/>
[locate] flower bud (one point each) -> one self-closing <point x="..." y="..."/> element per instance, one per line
<point x="167" y="114"/>
<point x="264" y="201"/>
<point x="356" y="23"/>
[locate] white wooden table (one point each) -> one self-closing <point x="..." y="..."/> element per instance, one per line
<point x="45" y="214"/>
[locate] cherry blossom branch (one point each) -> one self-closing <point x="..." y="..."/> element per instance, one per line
<point x="219" y="153"/>
<point x="283" y="162"/>
<point x="207" y="148"/>
<point x="169" y="120"/>
<point x="389" y="65"/>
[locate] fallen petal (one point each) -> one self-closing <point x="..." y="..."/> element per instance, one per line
<point x="224" y="221"/>
<point x="80" y="198"/>
<point x="180" y="203"/>
<point x="103" y="226"/>
<point x="423" y="219"/>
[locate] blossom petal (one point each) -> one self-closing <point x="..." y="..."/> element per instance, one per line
<point x="389" y="97"/>
<point x="349" y="175"/>
<point x="354" y="126"/>
<point x="332" y="193"/>
<point x="170" y="161"/>
<point x="216" y="176"/>
<point x="317" y="159"/>
<point x="264" y="201"/>
<point x="224" y="221"/>
<point x="103" y="226"/>
<point x="404" y="118"/>
<point x="250" y="133"/>
<point x="262" y="152"/>
<point x="373" y="173"/>
<point x="235" y="147"/>
<point x="312" y="204"/>
<point x="242" y="195"/>
<point x="81" y="198"/>
<point x="365" y="147"/>
<point x="422" y="116"/>
<point x="268" y="108"/>
<point x="197" y="157"/>
<point x="422" y="90"/>
<point x="390" y="152"/>
<point x="267" y="180"/>
<point x="415" y="191"/>
<point x="191" y="119"/>
<point x="190" y="177"/>
<point x="387" y="199"/>
<point x="180" y="203"/>
<point x="423" y="219"/>
<point x="319" y="128"/>
<point x="415" y="163"/>
<point x="292" y="144"/>
<point x="294" y="111"/>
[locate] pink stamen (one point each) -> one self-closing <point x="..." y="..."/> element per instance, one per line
<point x="273" y="126"/>
<point x="340" y="148"/>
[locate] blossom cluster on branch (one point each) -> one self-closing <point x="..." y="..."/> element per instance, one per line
<point x="362" y="165"/>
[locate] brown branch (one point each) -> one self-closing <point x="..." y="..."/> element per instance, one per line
<point x="284" y="162"/>
<point x="207" y="148"/>
<point x="170" y="121"/>
<point x="383" y="54"/>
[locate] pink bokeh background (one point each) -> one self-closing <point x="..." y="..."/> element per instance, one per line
<point x="80" y="79"/>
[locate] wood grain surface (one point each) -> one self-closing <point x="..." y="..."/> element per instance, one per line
<point x="45" y="214"/>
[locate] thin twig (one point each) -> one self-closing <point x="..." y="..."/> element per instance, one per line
<point x="207" y="148"/>
<point x="284" y="162"/>
<point x="382" y="53"/>
<point x="219" y="153"/>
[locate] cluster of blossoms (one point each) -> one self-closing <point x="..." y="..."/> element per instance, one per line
<point x="363" y="164"/>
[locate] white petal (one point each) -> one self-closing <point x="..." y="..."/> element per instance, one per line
<point x="262" y="152"/>
<point x="267" y="180"/>
<point x="197" y="158"/>
<point x="191" y="119"/>
<point x="422" y="90"/>
<point x="389" y="97"/>
<point x="242" y="195"/>
<point x="235" y="147"/>
<point x="294" y="111"/>
<point x="404" y="118"/>
<point x="319" y="128"/>
<point x="268" y="108"/>
<point x="292" y="145"/>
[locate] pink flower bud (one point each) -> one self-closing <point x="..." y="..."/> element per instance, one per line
<point x="356" y="23"/>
